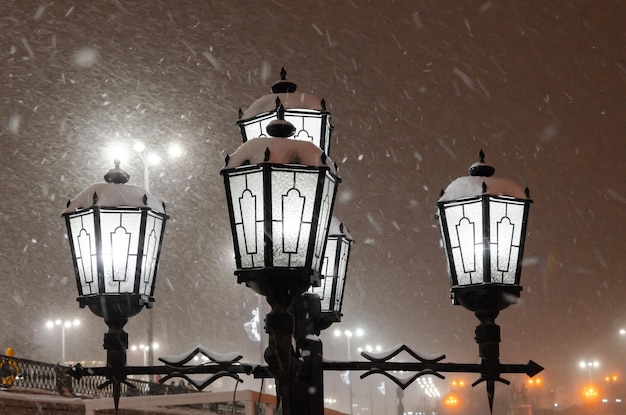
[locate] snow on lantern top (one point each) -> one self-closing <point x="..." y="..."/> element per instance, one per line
<point x="480" y="182"/>
<point x="337" y="228"/>
<point x="114" y="193"/>
<point x="278" y="150"/>
<point x="306" y="112"/>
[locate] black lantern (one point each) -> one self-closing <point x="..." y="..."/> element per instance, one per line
<point x="305" y="112"/>
<point x="483" y="225"/>
<point x="334" y="270"/>
<point x="280" y="195"/>
<point x="115" y="232"/>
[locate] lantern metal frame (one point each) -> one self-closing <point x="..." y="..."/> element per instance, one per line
<point x="333" y="275"/>
<point x="484" y="234"/>
<point x="307" y="113"/>
<point x="301" y="118"/>
<point x="270" y="275"/>
<point x="135" y="299"/>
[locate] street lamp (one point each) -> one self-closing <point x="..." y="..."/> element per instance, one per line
<point x="588" y="365"/>
<point x="50" y="324"/>
<point x="280" y="193"/>
<point x="305" y="112"/>
<point x="149" y="158"/>
<point x="144" y="348"/>
<point x="483" y="227"/>
<point x="348" y="334"/>
<point x="115" y="232"/>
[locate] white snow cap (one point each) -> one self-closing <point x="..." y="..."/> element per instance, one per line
<point x="283" y="91"/>
<point x="109" y="195"/>
<point x="338" y="228"/>
<point x="281" y="151"/>
<point x="480" y="182"/>
<point x="471" y="186"/>
<point x="289" y="100"/>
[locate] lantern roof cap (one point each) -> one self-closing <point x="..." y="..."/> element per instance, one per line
<point x="338" y="228"/>
<point x="289" y="100"/>
<point x="114" y="193"/>
<point x="480" y="182"/>
<point x="471" y="186"/>
<point x="283" y="93"/>
<point x="277" y="150"/>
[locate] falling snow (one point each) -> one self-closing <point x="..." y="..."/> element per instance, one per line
<point x="415" y="90"/>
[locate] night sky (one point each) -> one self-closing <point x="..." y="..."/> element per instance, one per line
<point x="415" y="90"/>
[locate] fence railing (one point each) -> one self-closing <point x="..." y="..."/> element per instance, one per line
<point x="24" y="373"/>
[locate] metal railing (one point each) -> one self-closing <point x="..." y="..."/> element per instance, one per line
<point x="23" y="373"/>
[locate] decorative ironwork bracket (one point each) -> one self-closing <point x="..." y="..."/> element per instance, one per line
<point x="429" y="365"/>
<point x="229" y="365"/>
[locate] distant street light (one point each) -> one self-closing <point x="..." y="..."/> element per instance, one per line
<point x="148" y="158"/>
<point x="151" y="158"/>
<point x="144" y="348"/>
<point x="370" y="349"/>
<point x="589" y="365"/>
<point x="348" y="336"/>
<point x="50" y="324"/>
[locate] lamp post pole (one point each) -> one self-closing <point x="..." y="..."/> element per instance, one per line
<point x="144" y="350"/>
<point x="63" y="325"/>
<point x="151" y="159"/>
<point x="348" y="336"/>
<point x="148" y="158"/>
<point x="370" y="349"/>
<point x="589" y="365"/>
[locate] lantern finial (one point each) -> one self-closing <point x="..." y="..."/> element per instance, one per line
<point x="116" y="175"/>
<point x="280" y="127"/>
<point x="480" y="168"/>
<point x="282" y="86"/>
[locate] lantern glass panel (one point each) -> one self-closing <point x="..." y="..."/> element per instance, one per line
<point x="506" y="218"/>
<point x="280" y="215"/>
<point x="152" y="242"/>
<point x="311" y="125"/>
<point x="293" y="203"/>
<point x="464" y="228"/>
<point x="334" y="269"/>
<point x="120" y="244"/>
<point x="255" y="127"/>
<point x="83" y="234"/>
<point x="324" y="216"/>
<point x="325" y="290"/>
<point x="247" y="198"/>
<point x="342" y="270"/>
